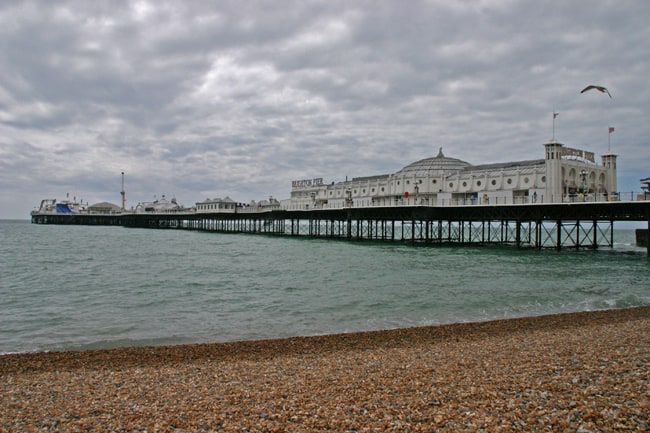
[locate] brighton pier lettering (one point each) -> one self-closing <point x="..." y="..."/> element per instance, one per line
<point x="587" y="156"/>
<point x="305" y="183"/>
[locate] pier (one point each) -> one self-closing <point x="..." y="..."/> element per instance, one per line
<point x="558" y="226"/>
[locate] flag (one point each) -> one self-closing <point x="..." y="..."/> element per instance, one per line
<point x="555" y="114"/>
<point x="611" y="129"/>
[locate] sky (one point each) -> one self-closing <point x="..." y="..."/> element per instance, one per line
<point x="207" y="99"/>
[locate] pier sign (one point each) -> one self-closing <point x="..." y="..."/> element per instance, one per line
<point x="306" y="183"/>
<point x="577" y="153"/>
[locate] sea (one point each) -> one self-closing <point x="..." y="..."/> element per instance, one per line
<point x="86" y="287"/>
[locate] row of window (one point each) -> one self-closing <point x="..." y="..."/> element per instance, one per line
<point x="214" y="206"/>
<point x="451" y="184"/>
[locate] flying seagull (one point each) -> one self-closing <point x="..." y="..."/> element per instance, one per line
<point x="599" y="88"/>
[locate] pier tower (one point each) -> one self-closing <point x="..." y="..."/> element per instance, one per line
<point x="554" y="176"/>
<point x="609" y="162"/>
<point x="123" y="194"/>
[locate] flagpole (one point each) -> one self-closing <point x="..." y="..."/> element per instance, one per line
<point x="554" y="116"/>
<point x="609" y="139"/>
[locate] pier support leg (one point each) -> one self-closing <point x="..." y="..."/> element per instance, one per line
<point x="483" y="232"/>
<point x="518" y="233"/>
<point x="412" y="231"/>
<point x="595" y="229"/>
<point x="426" y="234"/>
<point x="349" y="234"/>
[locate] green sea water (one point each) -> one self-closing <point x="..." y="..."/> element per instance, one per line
<point x="79" y="287"/>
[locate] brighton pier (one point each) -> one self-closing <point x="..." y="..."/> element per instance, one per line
<point x="559" y="226"/>
<point x="565" y="200"/>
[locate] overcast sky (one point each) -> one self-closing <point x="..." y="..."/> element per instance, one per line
<point x="198" y="99"/>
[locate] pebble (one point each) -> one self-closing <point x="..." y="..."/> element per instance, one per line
<point x="584" y="372"/>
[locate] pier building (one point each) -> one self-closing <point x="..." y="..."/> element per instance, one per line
<point x="159" y="205"/>
<point x="216" y="205"/>
<point x="228" y="205"/>
<point x="564" y="175"/>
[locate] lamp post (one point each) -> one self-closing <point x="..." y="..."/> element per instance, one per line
<point x="583" y="175"/>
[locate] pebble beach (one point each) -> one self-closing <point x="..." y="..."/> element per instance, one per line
<point x="580" y="372"/>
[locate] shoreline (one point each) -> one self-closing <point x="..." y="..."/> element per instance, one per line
<point x="346" y="340"/>
<point x="586" y="371"/>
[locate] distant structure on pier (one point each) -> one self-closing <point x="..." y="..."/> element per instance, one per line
<point x="228" y="205"/>
<point x="565" y="174"/>
<point x="645" y="189"/>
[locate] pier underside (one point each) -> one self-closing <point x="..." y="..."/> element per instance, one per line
<point x="526" y="234"/>
<point x="558" y="226"/>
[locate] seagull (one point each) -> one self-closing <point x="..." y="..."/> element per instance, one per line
<point x="599" y="88"/>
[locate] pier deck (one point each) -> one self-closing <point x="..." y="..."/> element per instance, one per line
<point x="565" y="225"/>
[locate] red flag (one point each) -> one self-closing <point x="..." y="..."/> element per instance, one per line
<point x="611" y="129"/>
<point x="555" y="114"/>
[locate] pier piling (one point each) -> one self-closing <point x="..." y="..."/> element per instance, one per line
<point x="558" y="226"/>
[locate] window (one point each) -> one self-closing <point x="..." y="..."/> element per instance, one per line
<point x="494" y="182"/>
<point x="509" y="181"/>
<point x="478" y="183"/>
<point x="526" y="180"/>
<point x="451" y="184"/>
<point x="464" y="184"/>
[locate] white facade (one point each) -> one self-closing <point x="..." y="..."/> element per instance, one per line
<point x="228" y="205"/>
<point x="162" y="205"/>
<point x="564" y="174"/>
<point x="208" y="205"/>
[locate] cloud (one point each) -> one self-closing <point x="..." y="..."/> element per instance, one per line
<point x="239" y="98"/>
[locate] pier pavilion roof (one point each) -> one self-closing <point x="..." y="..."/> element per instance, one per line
<point x="436" y="166"/>
<point x="528" y="166"/>
<point x="104" y="207"/>
<point x="370" y="178"/>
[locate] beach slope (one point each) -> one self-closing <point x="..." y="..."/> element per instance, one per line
<point x="583" y="372"/>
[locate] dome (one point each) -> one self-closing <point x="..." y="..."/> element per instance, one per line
<point x="437" y="166"/>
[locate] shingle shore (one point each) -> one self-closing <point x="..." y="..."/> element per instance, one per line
<point x="582" y="372"/>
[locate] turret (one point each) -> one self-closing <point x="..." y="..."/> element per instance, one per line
<point x="554" y="181"/>
<point x="609" y="162"/>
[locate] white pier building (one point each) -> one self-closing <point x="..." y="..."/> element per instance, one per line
<point x="563" y="175"/>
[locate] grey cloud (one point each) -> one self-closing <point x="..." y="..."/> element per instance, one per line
<point x="239" y="98"/>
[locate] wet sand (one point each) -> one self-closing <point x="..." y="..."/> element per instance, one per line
<point x="582" y="372"/>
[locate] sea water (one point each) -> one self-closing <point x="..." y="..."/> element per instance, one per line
<point x="80" y="287"/>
